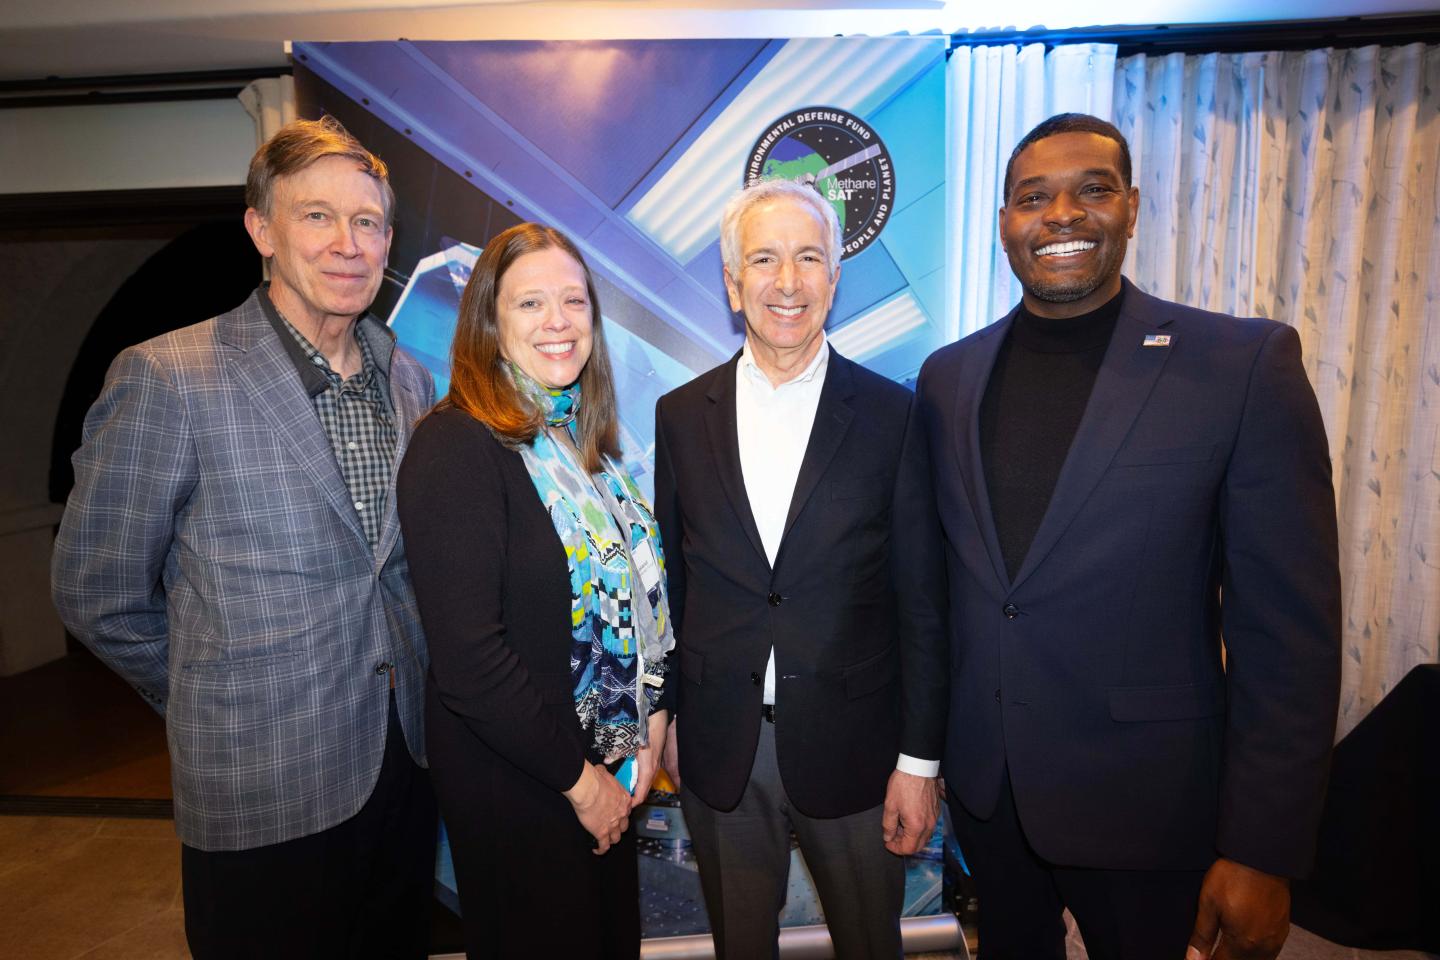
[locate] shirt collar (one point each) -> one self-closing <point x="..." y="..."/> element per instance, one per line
<point x="814" y="369"/>
<point x="317" y="360"/>
<point x="314" y="369"/>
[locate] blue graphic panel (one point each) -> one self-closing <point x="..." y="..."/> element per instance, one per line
<point x="911" y="244"/>
<point x="631" y="149"/>
<point x="424" y="319"/>
<point x="908" y="123"/>
<point x="865" y="281"/>
<point x="645" y="96"/>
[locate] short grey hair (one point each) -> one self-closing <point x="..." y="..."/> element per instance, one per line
<point x="300" y="143"/>
<point x="760" y="191"/>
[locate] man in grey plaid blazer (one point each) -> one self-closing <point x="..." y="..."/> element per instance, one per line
<point x="231" y="549"/>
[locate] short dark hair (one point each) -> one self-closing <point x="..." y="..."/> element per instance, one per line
<point x="302" y="142"/>
<point x="1071" y="123"/>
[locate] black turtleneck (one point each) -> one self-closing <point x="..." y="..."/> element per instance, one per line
<point x="1032" y="407"/>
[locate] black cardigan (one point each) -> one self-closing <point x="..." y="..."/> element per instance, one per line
<point x="494" y="592"/>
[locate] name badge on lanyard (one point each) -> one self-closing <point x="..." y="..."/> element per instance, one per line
<point x="647" y="566"/>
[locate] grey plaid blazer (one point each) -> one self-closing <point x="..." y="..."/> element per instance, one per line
<point x="210" y="553"/>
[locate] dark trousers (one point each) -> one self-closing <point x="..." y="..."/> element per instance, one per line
<point x="361" y="889"/>
<point x="549" y="902"/>
<point x="1122" y="914"/>
<point x="744" y="861"/>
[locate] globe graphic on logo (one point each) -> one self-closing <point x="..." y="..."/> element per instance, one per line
<point x="794" y="160"/>
<point x="838" y="154"/>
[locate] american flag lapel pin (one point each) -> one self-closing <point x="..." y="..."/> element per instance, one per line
<point x="1156" y="340"/>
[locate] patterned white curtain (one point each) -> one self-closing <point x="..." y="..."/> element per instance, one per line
<point x="996" y="94"/>
<point x="271" y="103"/>
<point x="1302" y="186"/>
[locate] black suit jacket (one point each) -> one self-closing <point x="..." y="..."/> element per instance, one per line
<point x="854" y="605"/>
<point x="1195" y="502"/>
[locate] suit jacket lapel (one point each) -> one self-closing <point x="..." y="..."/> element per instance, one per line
<point x="408" y="406"/>
<point x="974" y="378"/>
<point x="725" y="448"/>
<point x="268" y="375"/>
<point x="833" y="414"/>
<point x="1127" y="375"/>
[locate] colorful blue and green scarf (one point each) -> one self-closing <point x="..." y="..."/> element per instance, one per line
<point x="618" y="640"/>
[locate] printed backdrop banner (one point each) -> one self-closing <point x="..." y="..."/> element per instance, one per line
<point x="631" y="149"/>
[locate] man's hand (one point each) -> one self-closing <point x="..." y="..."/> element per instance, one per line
<point x="647" y="761"/>
<point x="601" y="805"/>
<point x="1244" y="914"/>
<point x="912" y="805"/>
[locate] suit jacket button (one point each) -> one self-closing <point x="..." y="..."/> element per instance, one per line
<point x="1010" y="610"/>
<point x="775" y="599"/>
<point x="755" y="678"/>
<point x="382" y="668"/>
<point x="997" y="694"/>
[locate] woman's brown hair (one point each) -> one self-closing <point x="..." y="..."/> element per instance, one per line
<point x="480" y="381"/>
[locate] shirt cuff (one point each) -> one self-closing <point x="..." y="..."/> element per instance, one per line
<point x="917" y="767"/>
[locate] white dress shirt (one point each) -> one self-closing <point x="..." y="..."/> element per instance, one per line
<point x="773" y="426"/>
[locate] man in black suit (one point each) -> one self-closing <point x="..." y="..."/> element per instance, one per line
<point x="1122" y="481"/>
<point x="793" y="493"/>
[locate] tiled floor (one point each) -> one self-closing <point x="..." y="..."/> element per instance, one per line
<point x="1306" y="946"/>
<point x="1300" y="945"/>
<point x="81" y="888"/>
<point x="109" y="889"/>
<point x="101" y="889"/>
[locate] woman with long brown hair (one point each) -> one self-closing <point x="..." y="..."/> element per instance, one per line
<point x="540" y="579"/>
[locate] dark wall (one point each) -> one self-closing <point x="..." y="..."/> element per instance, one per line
<point x="208" y="269"/>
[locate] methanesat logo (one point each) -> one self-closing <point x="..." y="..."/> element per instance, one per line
<point x="842" y="157"/>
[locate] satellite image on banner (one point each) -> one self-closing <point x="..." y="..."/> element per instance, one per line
<point x="635" y="163"/>
<point x="842" y="157"/>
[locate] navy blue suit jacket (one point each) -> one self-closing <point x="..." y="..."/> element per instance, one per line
<point x="1195" y="503"/>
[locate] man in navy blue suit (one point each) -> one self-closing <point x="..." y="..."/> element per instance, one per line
<point x="1142" y="559"/>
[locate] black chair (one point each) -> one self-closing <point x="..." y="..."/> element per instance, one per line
<point x="1376" y="882"/>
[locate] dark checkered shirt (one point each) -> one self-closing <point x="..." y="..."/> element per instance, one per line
<point x="356" y="416"/>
